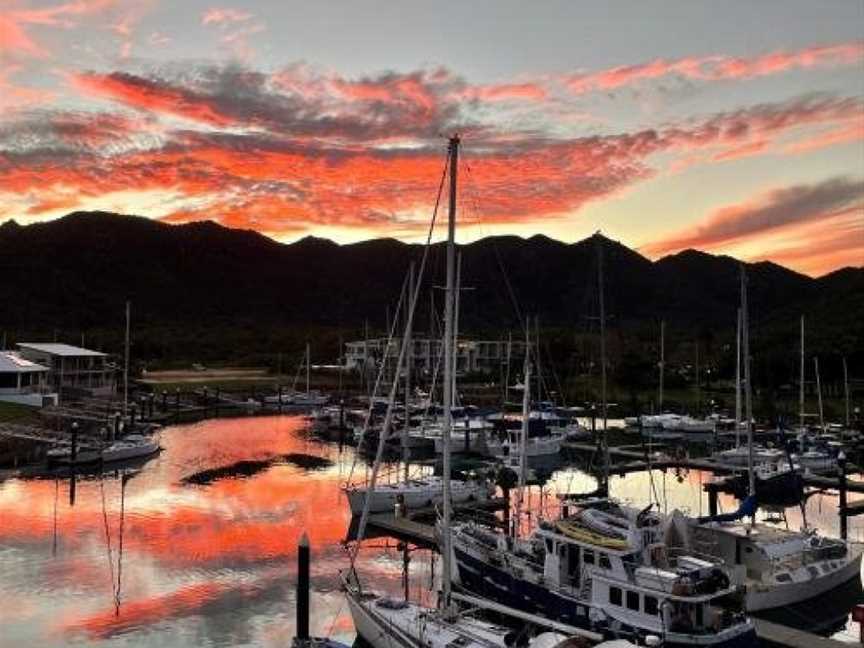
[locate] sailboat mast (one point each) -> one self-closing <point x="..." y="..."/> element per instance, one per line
<point x="819" y="395"/>
<point x="507" y="370"/>
<point x="449" y="307"/>
<point x="537" y="355"/>
<point x="126" y="359"/>
<point x="801" y="382"/>
<point x="738" y="382"/>
<point x="308" y="362"/>
<point x="603" y="407"/>
<point x="523" y="438"/>
<point x="662" y="365"/>
<point x="456" y="300"/>
<point x="846" y="390"/>
<point x="748" y="392"/>
<point x="409" y="350"/>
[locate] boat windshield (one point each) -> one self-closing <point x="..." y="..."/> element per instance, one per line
<point x="705" y="617"/>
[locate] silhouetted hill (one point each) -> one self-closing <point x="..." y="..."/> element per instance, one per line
<point x="74" y="274"/>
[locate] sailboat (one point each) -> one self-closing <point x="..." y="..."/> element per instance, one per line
<point x="607" y="569"/>
<point x="413" y="492"/>
<point x="296" y="398"/>
<point x="388" y="623"/>
<point x="779" y="567"/>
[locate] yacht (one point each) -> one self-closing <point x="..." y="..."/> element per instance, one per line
<point x="538" y="444"/>
<point x="131" y="446"/>
<point x="778" y="567"/>
<point x="607" y="569"/>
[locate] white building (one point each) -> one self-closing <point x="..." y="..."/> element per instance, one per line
<point x="482" y="356"/>
<point x="23" y="381"/>
<point x="71" y="367"/>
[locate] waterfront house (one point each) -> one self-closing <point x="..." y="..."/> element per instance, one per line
<point x="71" y="367"/>
<point x="472" y="356"/>
<point x="24" y="382"/>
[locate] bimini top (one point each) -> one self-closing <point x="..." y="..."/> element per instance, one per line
<point x="11" y="362"/>
<point x="65" y="350"/>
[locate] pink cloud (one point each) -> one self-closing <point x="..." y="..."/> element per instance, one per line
<point x="217" y="16"/>
<point x="716" y="68"/>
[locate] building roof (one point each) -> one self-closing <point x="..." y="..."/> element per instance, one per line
<point x="64" y="350"/>
<point x="11" y="362"/>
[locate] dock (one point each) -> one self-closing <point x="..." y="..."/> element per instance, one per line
<point x="416" y="526"/>
<point x="635" y="461"/>
<point x="780" y="635"/>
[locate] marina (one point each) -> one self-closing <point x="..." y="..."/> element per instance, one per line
<point x="415" y="325"/>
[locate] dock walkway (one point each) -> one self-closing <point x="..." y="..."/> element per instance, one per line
<point x="781" y="635"/>
<point x="637" y="463"/>
<point x="410" y="529"/>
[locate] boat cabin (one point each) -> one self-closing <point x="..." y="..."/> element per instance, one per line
<point x="641" y="584"/>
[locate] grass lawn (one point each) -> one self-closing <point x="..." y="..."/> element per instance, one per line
<point x="15" y="413"/>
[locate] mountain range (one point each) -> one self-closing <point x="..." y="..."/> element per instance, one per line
<point x="71" y="276"/>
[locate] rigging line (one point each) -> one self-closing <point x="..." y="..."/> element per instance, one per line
<point x="123" y="479"/>
<point x="378" y="379"/>
<point x="382" y="437"/>
<point x="107" y="537"/>
<point x="510" y="292"/>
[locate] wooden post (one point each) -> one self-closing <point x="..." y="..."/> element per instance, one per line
<point x="303" y="555"/>
<point x="74" y="454"/>
<point x="712" y="501"/>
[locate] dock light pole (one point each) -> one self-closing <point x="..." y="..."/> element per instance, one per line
<point x="841" y="469"/>
<point x="303" y="554"/>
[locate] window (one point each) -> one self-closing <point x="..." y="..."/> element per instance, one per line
<point x="604" y="561"/>
<point x="588" y="557"/>
<point x="633" y="601"/>
<point x="615" y="595"/>
<point x="651" y="605"/>
<point x="783" y="578"/>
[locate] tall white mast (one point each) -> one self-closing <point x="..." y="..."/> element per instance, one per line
<point x="126" y="359"/>
<point x="409" y="351"/>
<point x="748" y="392"/>
<point x="819" y="395"/>
<point x="738" y="382"/>
<point x="449" y="308"/>
<point x="456" y="300"/>
<point x="801" y="382"/>
<point x="523" y="438"/>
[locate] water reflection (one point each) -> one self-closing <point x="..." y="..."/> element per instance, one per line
<point x="210" y="528"/>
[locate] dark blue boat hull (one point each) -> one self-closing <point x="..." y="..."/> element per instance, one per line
<point x="499" y="585"/>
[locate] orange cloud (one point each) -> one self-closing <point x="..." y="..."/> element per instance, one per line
<point x="784" y="214"/>
<point x="717" y="68"/>
<point x="147" y="95"/>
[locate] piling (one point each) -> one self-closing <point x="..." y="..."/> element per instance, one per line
<point x="74" y="453"/>
<point x="843" y="508"/>
<point x="303" y="588"/>
<point x="712" y="502"/>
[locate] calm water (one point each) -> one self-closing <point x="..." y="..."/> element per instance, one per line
<point x="211" y="561"/>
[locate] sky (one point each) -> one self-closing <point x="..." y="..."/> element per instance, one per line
<point x="731" y="127"/>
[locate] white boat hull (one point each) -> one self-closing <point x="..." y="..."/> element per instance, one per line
<point x="131" y="452"/>
<point x="418" y="494"/>
<point x="536" y="447"/>
<point x="775" y="596"/>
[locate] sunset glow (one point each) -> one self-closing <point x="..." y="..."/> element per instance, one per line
<point x="261" y="116"/>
